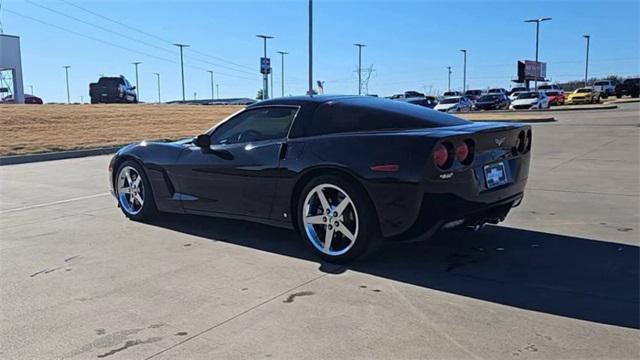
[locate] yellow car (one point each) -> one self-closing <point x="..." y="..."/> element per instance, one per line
<point x="584" y="95"/>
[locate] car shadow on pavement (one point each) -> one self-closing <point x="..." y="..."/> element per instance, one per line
<point x="592" y="280"/>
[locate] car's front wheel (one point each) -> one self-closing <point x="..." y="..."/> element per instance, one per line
<point x="133" y="192"/>
<point x="336" y="219"/>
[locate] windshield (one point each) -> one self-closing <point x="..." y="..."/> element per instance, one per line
<point x="450" y="101"/>
<point x="602" y="83"/>
<point x="450" y="93"/>
<point x="109" y="81"/>
<point x="579" y="91"/>
<point x="552" y="93"/>
<point x="489" y="98"/>
<point x="528" y="95"/>
<point x="545" y="87"/>
<point x="473" y="92"/>
<point x="495" y="90"/>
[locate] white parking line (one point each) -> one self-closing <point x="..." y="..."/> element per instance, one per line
<point x="53" y="203"/>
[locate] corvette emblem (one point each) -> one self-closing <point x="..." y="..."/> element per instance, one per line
<point x="499" y="141"/>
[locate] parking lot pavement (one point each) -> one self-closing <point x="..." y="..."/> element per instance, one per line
<point x="558" y="279"/>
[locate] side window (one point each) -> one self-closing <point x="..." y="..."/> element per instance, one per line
<point x="255" y="125"/>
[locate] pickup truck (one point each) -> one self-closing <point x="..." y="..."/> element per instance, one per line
<point x="606" y="88"/>
<point x="112" y="90"/>
<point x="629" y="87"/>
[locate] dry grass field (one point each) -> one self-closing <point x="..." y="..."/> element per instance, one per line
<point x="28" y="129"/>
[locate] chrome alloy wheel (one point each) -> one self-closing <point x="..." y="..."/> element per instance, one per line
<point x="330" y="219"/>
<point x="130" y="190"/>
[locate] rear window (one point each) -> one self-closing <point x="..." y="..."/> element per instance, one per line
<point x="367" y="114"/>
<point x="109" y="81"/>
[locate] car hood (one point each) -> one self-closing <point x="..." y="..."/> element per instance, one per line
<point x="524" y="101"/>
<point x="445" y="106"/>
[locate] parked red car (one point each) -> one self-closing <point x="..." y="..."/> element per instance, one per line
<point x="28" y="99"/>
<point x="555" y="97"/>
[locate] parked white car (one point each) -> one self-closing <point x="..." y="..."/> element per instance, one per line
<point x="530" y="100"/>
<point x="514" y="95"/>
<point x="605" y="87"/>
<point x="454" y="104"/>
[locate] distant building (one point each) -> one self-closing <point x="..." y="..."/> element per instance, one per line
<point x="10" y="61"/>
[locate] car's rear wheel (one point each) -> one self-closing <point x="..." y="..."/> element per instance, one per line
<point x="133" y="192"/>
<point x="336" y="219"/>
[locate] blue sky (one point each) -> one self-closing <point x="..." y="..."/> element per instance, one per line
<point x="409" y="43"/>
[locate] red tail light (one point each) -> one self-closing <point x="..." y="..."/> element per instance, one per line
<point x="462" y="152"/>
<point x="440" y="156"/>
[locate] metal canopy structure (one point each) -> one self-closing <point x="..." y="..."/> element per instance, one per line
<point x="10" y="60"/>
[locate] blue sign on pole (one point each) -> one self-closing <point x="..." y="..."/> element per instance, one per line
<point x="265" y="65"/>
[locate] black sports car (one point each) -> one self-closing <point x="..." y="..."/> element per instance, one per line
<point x="345" y="171"/>
<point x="493" y="102"/>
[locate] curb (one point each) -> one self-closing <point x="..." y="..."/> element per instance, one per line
<point x="577" y="108"/>
<point x="601" y="107"/>
<point x="58" y="155"/>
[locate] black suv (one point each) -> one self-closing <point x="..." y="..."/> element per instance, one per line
<point x="629" y="87"/>
<point x="112" y="90"/>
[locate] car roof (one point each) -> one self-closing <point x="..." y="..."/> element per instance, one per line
<point x="304" y="100"/>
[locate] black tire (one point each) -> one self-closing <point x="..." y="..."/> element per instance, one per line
<point x="94" y="101"/>
<point x="368" y="237"/>
<point x="148" y="209"/>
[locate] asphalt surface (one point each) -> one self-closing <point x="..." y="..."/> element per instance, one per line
<point x="558" y="279"/>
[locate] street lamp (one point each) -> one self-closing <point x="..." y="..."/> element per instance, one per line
<point x="212" y="94"/>
<point x="217" y="92"/>
<point x="282" y="53"/>
<point x="182" y="46"/>
<point x="158" y="76"/>
<point x="137" y="86"/>
<point x="360" y="46"/>
<point x="537" y="21"/>
<point x="31" y="87"/>
<point x="449" y="84"/>
<point x="265" y="78"/>
<point x="586" y="65"/>
<point x="464" y="72"/>
<point x="310" y="91"/>
<point x="66" y="72"/>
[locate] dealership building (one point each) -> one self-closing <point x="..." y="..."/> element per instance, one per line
<point x="11" y="68"/>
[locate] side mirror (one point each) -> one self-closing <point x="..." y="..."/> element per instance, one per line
<point x="133" y="88"/>
<point x="202" y="141"/>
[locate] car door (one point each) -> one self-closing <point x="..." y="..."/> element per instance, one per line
<point x="238" y="173"/>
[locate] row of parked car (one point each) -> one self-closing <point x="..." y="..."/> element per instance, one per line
<point x="521" y="98"/>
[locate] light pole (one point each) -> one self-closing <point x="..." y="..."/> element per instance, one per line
<point x="310" y="91"/>
<point x="282" y="54"/>
<point x="158" y="76"/>
<point x="586" y="65"/>
<point x="360" y="46"/>
<point x="212" y="94"/>
<point x="265" y="79"/>
<point x="182" y="46"/>
<point x="449" y="84"/>
<point x="271" y="84"/>
<point x="137" y="87"/>
<point x="31" y="87"/>
<point x="66" y="73"/>
<point x="464" y="72"/>
<point x="537" y="21"/>
<point x="217" y="92"/>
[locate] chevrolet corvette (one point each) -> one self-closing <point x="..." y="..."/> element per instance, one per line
<point x="346" y="172"/>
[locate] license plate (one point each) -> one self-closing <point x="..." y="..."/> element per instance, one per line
<point x="495" y="175"/>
